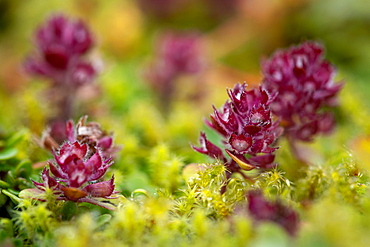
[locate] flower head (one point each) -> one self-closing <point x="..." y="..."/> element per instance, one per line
<point x="303" y="82"/>
<point x="248" y="129"/>
<point x="60" y="44"/>
<point x="177" y="54"/>
<point x="263" y="210"/>
<point x="74" y="174"/>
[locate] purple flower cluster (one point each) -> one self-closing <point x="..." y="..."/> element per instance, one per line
<point x="61" y="47"/>
<point x="75" y="173"/>
<point x="248" y="129"/>
<point x="304" y="84"/>
<point x="61" y="44"/>
<point x="263" y="210"/>
<point x="177" y="54"/>
<point x="297" y="88"/>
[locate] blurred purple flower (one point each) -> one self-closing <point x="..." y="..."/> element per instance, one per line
<point x="248" y="129"/>
<point x="60" y="44"/>
<point x="304" y="84"/>
<point x="74" y="175"/>
<point x="263" y="210"/>
<point x="181" y="53"/>
<point x="177" y="55"/>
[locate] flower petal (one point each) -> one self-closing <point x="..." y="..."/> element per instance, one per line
<point x="209" y="148"/>
<point x="100" y="189"/>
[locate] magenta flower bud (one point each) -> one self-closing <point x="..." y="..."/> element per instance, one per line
<point x="72" y="165"/>
<point x="248" y="129"/>
<point x="263" y="210"/>
<point x="61" y="44"/>
<point x="303" y="82"/>
<point x="181" y="53"/>
<point x="74" y="175"/>
<point x="177" y="54"/>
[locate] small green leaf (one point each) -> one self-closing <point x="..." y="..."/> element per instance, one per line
<point x="24" y="169"/>
<point x="31" y="193"/>
<point x="3" y="199"/>
<point x="140" y="192"/>
<point x="6" y="227"/>
<point x="13" y="197"/>
<point x="5" y="167"/>
<point x="69" y="210"/>
<point x="4" y="184"/>
<point x="103" y="219"/>
<point x="8" y="153"/>
<point x="10" y="177"/>
<point x="15" y="138"/>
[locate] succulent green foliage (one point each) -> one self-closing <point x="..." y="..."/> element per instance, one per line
<point x="14" y="170"/>
<point x="151" y="223"/>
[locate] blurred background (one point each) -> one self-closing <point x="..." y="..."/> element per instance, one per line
<point x="234" y="36"/>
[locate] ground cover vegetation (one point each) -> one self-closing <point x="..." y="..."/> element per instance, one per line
<point x="183" y="123"/>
